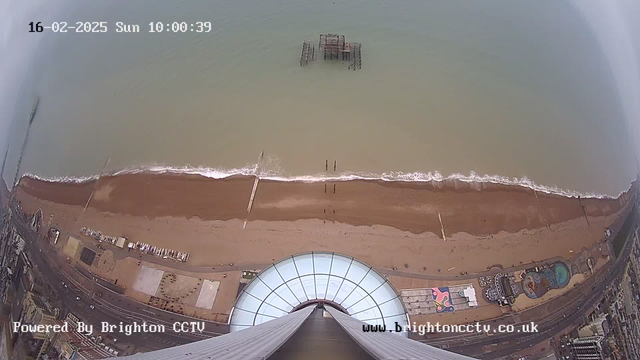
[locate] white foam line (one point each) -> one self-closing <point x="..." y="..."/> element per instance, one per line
<point x="434" y="177"/>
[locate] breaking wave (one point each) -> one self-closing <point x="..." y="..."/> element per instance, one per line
<point x="276" y="175"/>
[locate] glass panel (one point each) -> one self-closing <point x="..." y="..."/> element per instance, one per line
<point x="269" y="310"/>
<point x="235" y="328"/>
<point x="361" y="305"/>
<point x="241" y="317"/>
<point x="260" y="319"/>
<point x="392" y="308"/>
<point x="296" y="287"/>
<point x="340" y="265"/>
<point x="286" y="269"/>
<point x="287" y="295"/>
<point x="357" y="272"/>
<point x="369" y="314"/>
<point x="345" y="290"/>
<point x="304" y="264"/>
<point x="322" y="263"/>
<point x="248" y="303"/>
<point x="276" y="301"/>
<point x="270" y="277"/>
<point x="384" y="293"/>
<point x="371" y="281"/>
<point x="400" y="319"/>
<point x="309" y="286"/>
<point x="356" y="295"/>
<point x="258" y="289"/>
<point x="321" y="284"/>
<point x="334" y="284"/>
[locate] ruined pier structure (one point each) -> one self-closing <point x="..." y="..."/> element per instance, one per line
<point x="333" y="46"/>
<point x="308" y="53"/>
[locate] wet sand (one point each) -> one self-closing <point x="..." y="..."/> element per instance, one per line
<point x="472" y="208"/>
<point x="387" y="225"/>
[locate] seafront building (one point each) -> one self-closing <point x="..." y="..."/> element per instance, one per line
<point x="73" y="345"/>
<point x="597" y="327"/>
<point x="588" y="348"/>
<point x="36" y="312"/>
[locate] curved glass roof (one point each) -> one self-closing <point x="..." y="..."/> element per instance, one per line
<point x="356" y="287"/>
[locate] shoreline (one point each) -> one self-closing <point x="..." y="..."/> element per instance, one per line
<point x="393" y="226"/>
<point x="417" y="207"/>
<point x="435" y="178"/>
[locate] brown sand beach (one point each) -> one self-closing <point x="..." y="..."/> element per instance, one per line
<point x="405" y="206"/>
<point x="387" y="224"/>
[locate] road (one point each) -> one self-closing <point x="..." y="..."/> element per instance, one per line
<point x="110" y="307"/>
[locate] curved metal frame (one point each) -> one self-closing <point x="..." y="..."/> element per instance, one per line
<point x="332" y="302"/>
